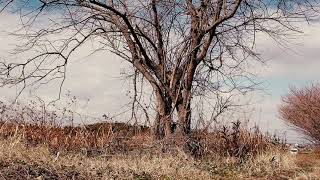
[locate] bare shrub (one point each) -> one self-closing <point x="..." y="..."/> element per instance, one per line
<point x="18" y="161"/>
<point x="123" y="138"/>
<point x="301" y="108"/>
<point x="38" y="124"/>
<point x="237" y="141"/>
<point x="112" y="137"/>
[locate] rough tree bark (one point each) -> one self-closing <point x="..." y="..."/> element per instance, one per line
<point x="163" y="121"/>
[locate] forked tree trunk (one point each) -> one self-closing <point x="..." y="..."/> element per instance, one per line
<point x="164" y="122"/>
<point x="165" y="106"/>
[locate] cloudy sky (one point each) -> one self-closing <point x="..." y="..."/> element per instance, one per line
<point x="98" y="77"/>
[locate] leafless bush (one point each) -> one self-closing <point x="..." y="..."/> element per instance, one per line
<point x="301" y="108"/>
<point x="38" y="123"/>
<point x="236" y="141"/>
<point x="36" y="111"/>
<point x="41" y="128"/>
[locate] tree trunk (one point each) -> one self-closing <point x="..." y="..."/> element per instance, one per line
<point x="162" y="126"/>
<point x="184" y="121"/>
<point x="184" y="115"/>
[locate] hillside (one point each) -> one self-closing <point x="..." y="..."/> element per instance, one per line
<point x="24" y="154"/>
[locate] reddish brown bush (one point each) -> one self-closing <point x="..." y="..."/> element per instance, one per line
<point x="95" y="137"/>
<point x="301" y="108"/>
<point x="232" y="141"/>
<point x="35" y="125"/>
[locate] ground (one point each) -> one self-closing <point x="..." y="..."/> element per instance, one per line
<point x="122" y="151"/>
<point x="21" y="161"/>
<point x="309" y="164"/>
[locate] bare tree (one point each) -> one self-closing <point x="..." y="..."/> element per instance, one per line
<point x="183" y="48"/>
<point x="300" y="108"/>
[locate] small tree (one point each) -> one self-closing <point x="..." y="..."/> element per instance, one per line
<point x="301" y="108"/>
<point x="183" y="48"/>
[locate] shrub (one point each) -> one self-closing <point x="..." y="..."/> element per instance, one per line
<point x="40" y="127"/>
<point x="301" y="108"/>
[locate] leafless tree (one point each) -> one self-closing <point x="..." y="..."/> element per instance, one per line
<point x="300" y="108"/>
<point x="183" y="48"/>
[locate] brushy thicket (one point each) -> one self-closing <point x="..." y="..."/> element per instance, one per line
<point x="34" y="144"/>
<point x="37" y="125"/>
<point x="19" y="161"/>
<point x="301" y="108"/>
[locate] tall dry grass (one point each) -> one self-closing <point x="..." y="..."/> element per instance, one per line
<point x="35" y="146"/>
<point x="20" y="161"/>
<point x="37" y="125"/>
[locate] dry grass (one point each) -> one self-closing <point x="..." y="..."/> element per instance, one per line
<point x="236" y="141"/>
<point x="117" y="137"/>
<point x="19" y="161"/>
<point x="38" y="125"/>
<point x="120" y="151"/>
<point x="27" y="152"/>
<point x="309" y="164"/>
<point x="36" y="148"/>
<point x="123" y="138"/>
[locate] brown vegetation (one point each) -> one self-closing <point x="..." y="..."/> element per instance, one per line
<point x="21" y="161"/>
<point x="184" y="50"/>
<point x="301" y="108"/>
<point x="38" y="125"/>
<point x="123" y="138"/>
<point x="18" y="160"/>
<point x="45" y="150"/>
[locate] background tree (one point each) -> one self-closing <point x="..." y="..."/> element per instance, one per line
<point x="301" y="109"/>
<point x="183" y="48"/>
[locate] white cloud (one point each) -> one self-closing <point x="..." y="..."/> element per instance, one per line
<point x="299" y="59"/>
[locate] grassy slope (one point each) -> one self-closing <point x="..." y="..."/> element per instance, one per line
<point x="18" y="161"/>
<point x="120" y="151"/>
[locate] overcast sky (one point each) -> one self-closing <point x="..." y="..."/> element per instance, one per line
<point x="97" y="77"/>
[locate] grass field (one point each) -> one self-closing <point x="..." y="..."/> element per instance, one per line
<point x="24" y="154"/>
<point x="18" y="161"/>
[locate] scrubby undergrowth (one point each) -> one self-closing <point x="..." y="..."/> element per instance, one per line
<point x="32" y="146"/>
<point x="115" y="138"/>
<point x="25" y="155"/>
<point x="19" y="161"/>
